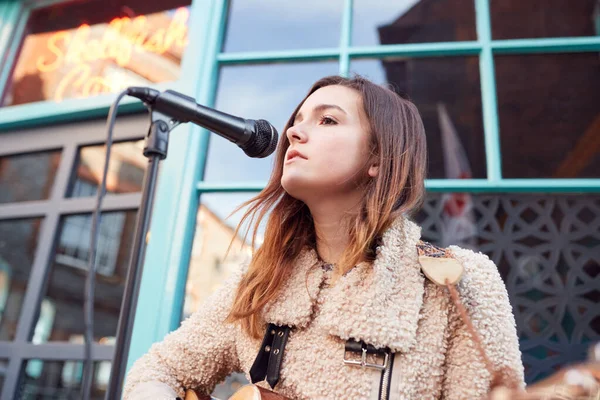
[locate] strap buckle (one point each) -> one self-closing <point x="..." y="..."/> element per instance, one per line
<point x="364" y="350"/>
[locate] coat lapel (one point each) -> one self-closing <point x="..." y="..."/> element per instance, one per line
<point x="377" y="302"/>
<point x="296" y="301"/>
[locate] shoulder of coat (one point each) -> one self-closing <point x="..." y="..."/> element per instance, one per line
<point x="439" y="264"/>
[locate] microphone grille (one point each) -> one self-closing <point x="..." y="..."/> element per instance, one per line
<point x="264" y="142"/>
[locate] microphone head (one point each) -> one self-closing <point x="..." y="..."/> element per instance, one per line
<point x="264" y="140"/>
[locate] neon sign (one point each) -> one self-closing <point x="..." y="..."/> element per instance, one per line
<point x="122" y="37"/>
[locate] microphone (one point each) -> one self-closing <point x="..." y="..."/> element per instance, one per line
<point x="257" y="139"/>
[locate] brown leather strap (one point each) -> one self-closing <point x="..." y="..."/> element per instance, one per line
<point x="502" y="377"/>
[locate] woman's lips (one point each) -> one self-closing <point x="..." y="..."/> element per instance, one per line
<point x="294" y="154"/>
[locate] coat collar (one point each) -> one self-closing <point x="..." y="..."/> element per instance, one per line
<point x="377" y="302"/>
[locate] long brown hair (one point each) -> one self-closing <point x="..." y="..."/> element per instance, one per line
<point x="397" y="142"/>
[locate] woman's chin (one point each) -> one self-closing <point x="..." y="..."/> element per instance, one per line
<point x="296" y="186"/>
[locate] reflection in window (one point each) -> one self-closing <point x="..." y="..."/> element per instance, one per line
<point x="18" y="244"/>
<point x="412" y="21"/>
<point x="271" y="92"/>
<point x="208" y="265"/>
<point x="447" y="93"/>
<point x="549" y="113"/>
<point x="516" y="19"/>
<point x="60" y="380"/>
<point x="25" y="177"/>
<point x="68" y="273"/>
<point x="81" y="49"/>
<point x="299" y="24"/>
<point x="73" y="248"/>
<point x="214" y="231"/>
<point x="125" y="169"/>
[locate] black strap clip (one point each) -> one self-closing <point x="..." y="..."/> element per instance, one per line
<point x="268" y="361"/>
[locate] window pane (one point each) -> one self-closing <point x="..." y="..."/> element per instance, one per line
<point x="61" y="313"/>
<point x="80" y="49"/>
<point x="546" y="248"/>
<point x="208" y="265"/>
<point x="515" y="19"/>
<point x="549" y="112"/>
<point x="447" y="93"/>
<point x="268" y="91"/>
<point x="43" y="380"/>
<point x="18" y="243"/>
<point x="412" y="21"/>
<point x="125" y="169"/>
<point x="214" y="231"/>
<point x="30" y="176"/>
<point x="256" y="25"/>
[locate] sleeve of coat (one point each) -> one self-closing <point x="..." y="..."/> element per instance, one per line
<point x="198" y="355"/>
<point x="485" y="298"/>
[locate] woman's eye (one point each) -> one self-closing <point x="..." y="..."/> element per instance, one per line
<point x="325" y="120"/>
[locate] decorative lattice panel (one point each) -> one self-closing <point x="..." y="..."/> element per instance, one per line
<point x="547" y="249"/>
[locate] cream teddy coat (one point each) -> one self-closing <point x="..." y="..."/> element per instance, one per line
<point x="386" y="303"/>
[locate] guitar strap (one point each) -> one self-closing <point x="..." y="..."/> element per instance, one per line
<point x="268" y="361"/>
<point x="441" y="267"/>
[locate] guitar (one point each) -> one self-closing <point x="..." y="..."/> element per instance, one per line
<point x="576" y="382"/>
<point x="247" y="392"/>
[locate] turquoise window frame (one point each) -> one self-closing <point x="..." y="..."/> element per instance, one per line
<point x="485" y="47"/>
<point x="172" y="229"/>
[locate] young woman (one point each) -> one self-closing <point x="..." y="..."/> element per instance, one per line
<point x="341" y="268"/>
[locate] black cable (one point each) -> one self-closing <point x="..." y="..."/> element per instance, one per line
<point x="88" y="366"/>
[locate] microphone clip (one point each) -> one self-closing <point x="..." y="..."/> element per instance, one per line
<point x="157" y="138"/>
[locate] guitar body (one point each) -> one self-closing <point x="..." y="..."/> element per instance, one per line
<point x="247" y="392"/>
<point x="559" y="386"/>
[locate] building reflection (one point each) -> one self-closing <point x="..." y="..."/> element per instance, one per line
<point x="208" y="265"/>
<point x="548" y="104"/>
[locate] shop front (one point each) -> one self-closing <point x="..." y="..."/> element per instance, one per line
<point x="509" y="92"/>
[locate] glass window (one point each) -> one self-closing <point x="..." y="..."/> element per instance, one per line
<point x="45" y="380"/>
<point x="208" y="265"/>
<point x="546" y="250"/>
<point x="447" y="92"/>
<point x="214" y="231"/>
<point x="18" y="243"/>
<point x="81" y="49"/>
<point x="125" y="169"/>
<point x="61" y="319"/>
<point x="515" y="19"/>
<point x="268" y="91"/>
<point x="378" y="22"/>
<point x="256" y="25"/>
<point x="549" y="113"/>
<point x="30" y="176"/>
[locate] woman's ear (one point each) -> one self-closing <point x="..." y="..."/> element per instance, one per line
<point x="373" y="170"/>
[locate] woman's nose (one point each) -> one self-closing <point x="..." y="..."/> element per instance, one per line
<point x="296" y="134"/>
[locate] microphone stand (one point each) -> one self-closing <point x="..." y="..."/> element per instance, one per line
<point x="155" y="149"/>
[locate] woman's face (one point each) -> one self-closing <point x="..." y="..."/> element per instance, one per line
<point x="329" y="148"/>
